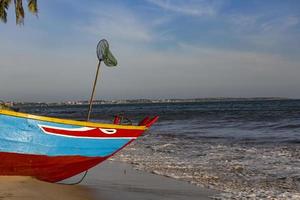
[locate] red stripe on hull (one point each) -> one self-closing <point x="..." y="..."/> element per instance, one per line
<point x="93" y="133"/>
<point x="46" y="168"/>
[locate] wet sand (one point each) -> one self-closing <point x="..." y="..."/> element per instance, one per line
<point x="110" y="181"/>
<point x="19" y="188"/>
<point x="114" y="180"/>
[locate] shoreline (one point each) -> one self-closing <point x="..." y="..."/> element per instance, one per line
<point x="114" y="179"/>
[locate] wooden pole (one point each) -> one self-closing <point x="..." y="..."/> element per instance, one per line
<point x="93" y="92"/>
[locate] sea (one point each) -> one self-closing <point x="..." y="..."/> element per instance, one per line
<point x="245" y="149"/>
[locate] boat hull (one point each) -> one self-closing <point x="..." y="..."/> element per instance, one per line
<point x="45" y="168"/>
<point x="52" y="149"/>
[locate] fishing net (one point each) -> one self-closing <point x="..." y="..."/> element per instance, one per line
<point x="105" y="55"/>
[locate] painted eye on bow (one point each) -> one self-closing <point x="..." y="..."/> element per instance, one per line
<point x="108" y="131"/>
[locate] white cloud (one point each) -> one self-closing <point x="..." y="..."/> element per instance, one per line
<point x="126" y="27"/>
<point x="280" y="24"/>
<point x="187" y="7"/>
<point x="265" y="31"/>
<point x="259" y="23"/>
<point x="244" y="21"/>
<point x="117" y="22"/>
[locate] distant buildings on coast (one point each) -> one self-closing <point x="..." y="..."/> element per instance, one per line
<point x="144" y="101"/>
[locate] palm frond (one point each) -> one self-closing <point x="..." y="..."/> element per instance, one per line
<point x="4" y="4"/>
<point x="32" y="6"/>
<point x="19" y="10"/>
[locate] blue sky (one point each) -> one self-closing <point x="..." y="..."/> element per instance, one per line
<point x="165" y="48"/>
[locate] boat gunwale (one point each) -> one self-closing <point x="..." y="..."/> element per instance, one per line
<point x="69" y="121"/>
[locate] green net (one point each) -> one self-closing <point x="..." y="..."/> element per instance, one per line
<point x="105" y="55"/>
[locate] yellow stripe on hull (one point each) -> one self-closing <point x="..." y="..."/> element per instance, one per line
<point x="69" y="122"/>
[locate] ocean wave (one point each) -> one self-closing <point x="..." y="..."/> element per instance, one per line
<point x="288" y="126"/>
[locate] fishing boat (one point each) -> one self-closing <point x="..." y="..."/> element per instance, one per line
<point x="53" y="149"/>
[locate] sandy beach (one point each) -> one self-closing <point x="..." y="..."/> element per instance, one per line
<point x="110" y="181"/>
<point x="17" y="188"/>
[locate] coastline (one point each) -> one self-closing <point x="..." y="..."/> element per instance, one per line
<point x="144" y="101"/>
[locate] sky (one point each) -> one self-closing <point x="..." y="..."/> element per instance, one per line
<point x="165" y="49"/>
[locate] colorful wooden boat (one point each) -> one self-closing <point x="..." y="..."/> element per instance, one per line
<point x="52" y="149"/>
